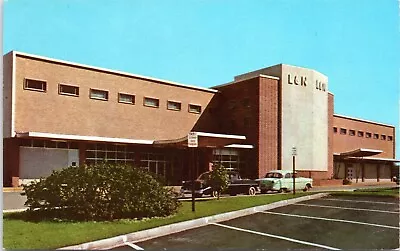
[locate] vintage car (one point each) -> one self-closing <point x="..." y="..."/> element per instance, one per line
<point x="236" y="185"/>
<point x="282" y="181"/>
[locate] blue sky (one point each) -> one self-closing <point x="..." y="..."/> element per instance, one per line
<point x="356" y="43"/>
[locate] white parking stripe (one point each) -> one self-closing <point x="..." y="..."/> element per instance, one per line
<point x="133" y="246"/>
<point x="328" y="219"/>
<point x="347" y="208"/>
<point x="276" y="236"/>
<point x="364" y="201"/>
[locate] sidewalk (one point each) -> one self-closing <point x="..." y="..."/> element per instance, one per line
<point x="12" y="189"/>
<point x="355" y="186"/>
<point x="14" y="201"/>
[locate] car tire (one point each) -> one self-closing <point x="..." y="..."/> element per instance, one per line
<point x="214" y="194"/>
<point x="280" y="190"/>
<point x="307" y="187"/>
<point x="252" y="191"/>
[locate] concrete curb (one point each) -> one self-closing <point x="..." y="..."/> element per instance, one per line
<point x="14" y="210"/>
<point x="12" y="189"/>
<point x="182" y="226"/>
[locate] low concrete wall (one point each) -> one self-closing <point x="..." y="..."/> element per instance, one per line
<point x="182" y="226"/>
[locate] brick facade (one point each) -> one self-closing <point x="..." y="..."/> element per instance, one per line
<point x="347" y="142"/>
<point x="249" y="106"/>
<point x="85" y="116"/>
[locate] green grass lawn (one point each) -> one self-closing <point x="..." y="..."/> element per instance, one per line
<point x="394" y="192"/>
<point x="23" y="234"/>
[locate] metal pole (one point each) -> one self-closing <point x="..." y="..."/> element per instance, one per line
<point x="294" y="171"/>
<point x="193" y="174"/>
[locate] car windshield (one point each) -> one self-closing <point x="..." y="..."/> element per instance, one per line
<point x="273" y="175"/>
<point x="204" y="176"/>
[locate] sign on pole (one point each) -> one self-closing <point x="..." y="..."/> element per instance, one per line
<point x="294" y="151"/>
<point x="193" y="140"/>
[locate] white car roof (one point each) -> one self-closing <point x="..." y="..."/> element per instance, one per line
<point x="280" y="171"/>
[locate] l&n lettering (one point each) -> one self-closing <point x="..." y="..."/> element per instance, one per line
<point x="320" y="86"/>
<point x="295" y="80"/>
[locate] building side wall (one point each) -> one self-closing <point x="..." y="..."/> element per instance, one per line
<point x="304" y="118"/>
<point x="236" y="111"/>
<point x="11" y="162"/>
<point x="50" y="112"/>
<point x="345" y="142"/>
<point x="40" y="162"/>
<point x="7" y="94"/>
<point x="268" y="127"/>
<point x="370" y="172"/>
<point x="331" y="100"/>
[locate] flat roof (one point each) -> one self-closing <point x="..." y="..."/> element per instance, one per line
<point x="80" y="137"/>
<point x="244" y="79"/>
<point x="362" y="120"/>
<point x="23" y="54"/>
<point x="361" y="152"/>
<point x="224" y="139"/>
<point x="242" y="146"/>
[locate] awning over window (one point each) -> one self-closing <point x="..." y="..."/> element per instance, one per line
<point x="81" y="137"/>
<point x="210" y="140"/>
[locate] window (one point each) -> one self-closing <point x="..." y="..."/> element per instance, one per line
<point x="335" y="130"/>
<point x="151" y="102"/>
<point x="126" y="98"/>
<point x="360" y="134"/>
<point x="343" y="131"/>
<point x="68" y="90"/>
<point x="352" y="132"/>
<point x="376" y="136"/>
<point x="172" y="105"/>
<point x="368" y="135"/>
<point x="383" y="137"/>
<point x="194" y="108"/>
<point x="35" y="85"/>
<point x="112" y="153"/>
<point x="390" y="138"/>
<point x="98" y="94"/>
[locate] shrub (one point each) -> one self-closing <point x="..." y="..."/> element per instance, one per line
<point x="100" y="192"/>
<point x="219" y="178"/>
<point x="347" y="182"/>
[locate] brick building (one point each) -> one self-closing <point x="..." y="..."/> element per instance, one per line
<point x="59" y="113"/>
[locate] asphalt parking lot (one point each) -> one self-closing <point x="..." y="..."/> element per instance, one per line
<point x="333" y="222"/>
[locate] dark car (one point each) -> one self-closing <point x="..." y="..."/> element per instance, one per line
<point x="236" y="185"/>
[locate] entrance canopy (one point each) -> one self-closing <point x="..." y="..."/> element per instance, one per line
<point x="363" y="155"/>
<point x="208" y="140"/>
<point x="211" y="140"/>
<point x="360" y="152"/>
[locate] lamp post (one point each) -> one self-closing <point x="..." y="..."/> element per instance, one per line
<point x="193" y="142"/>
<point x="294" y="153"/>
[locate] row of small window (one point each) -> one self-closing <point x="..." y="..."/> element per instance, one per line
<point x="343" y="131"/>
<point x="63" y="89"/>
